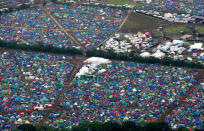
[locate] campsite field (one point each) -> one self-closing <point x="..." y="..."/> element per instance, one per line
<point x="122" y="2"/>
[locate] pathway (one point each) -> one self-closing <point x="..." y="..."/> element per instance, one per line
<point x="180" y="103"/>
<point x="61" y="27"/>
<point x="57" y="103"/>
<point x="121" y="25"/>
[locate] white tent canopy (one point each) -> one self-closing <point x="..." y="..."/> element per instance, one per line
<point x="97" y="60"/>
<point x="93" y="62"/>
<point x="145" y="54"/>
<point x="177" y="42"/>
<point x="197" y="46"/>
<point x="158" y="54"/>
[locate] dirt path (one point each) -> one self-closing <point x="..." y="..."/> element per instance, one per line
<point x="61" y="27"/>
<point x="121" y="25"/>
<point x="18" y="65"/>
<point x="57" y="103"/>
<point x="126" y="18"/>
<point x="173" y="106"/>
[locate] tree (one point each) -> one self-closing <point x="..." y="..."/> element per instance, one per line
<point x="111" y="126"/>
<point x="83" y="126"/>
<point x="156" y="126"/>
<point x="182" y="129"/>
<point x="96" y="126"/>
<point x="130" y="126"/>
<point x="27" y="127"/>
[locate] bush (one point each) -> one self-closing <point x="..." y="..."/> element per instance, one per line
<point x="26" y="127"/>
<point x="40" y="47"/>
<point x="156" y="126"/>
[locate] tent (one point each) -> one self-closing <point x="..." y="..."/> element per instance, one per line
<point x="145" y="54"/>
<point x="158" y="54"/>
<point x="197" y="46"/>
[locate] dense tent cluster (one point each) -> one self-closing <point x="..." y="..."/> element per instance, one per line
<point x="29" y="80"/>
<point x="89" y="24"/>
<point x="195" y="7"/>
<point x="7" y="2"/>
<point x="31" y="26"/>
<point x="190" y="114"/>
<point x="75" y="84"/>
<point x="122" y="90"/>
<point x="15" y="119"/>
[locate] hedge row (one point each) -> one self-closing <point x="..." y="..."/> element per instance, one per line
<point x="109" y="54"/>
<point x="107" y="126"/>
<point x="11" y="9"/>
<point x="40" y="47"/>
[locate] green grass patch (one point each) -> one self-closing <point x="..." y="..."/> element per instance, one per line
<point x="172" y="31"/>
<point x="200" y="29"/>
<point x="139" y="22"/>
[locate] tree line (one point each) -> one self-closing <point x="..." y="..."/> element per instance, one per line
<point x="40" y="47"/>
<point x="107" y="126"/>
<point x="109" y="54"/>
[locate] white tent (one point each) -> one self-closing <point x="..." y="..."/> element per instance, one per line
<point x="97" y="60"/>
<point x="197" y="46"/>
<point x="102" y="70"/>
<point x="158" y="54"/>
<point x="145" y="54"/>
<point x="93" y="63"/>
<point x="83" y="71"/>
<point x="175" y="42"/>
<point x="168" y="15"/>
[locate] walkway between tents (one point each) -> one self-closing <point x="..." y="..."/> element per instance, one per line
<point x="121" y="25"/>
<point x="173" y="106"/>
<point x="61" y="27"/>
<point x="57" y="103"/>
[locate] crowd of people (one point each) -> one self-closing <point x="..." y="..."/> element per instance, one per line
<point x="126" y="90"/>
<point x="31" y="80"/>
<point x="194" y="7"/>
<point x="90" y="25"/>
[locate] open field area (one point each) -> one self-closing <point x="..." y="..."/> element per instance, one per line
<point x="143" y="23"/>
<point x="140" y="22"/>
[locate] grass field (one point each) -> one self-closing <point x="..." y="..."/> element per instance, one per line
<point x="179" y="31"/>
<point x="139" y="22"/>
